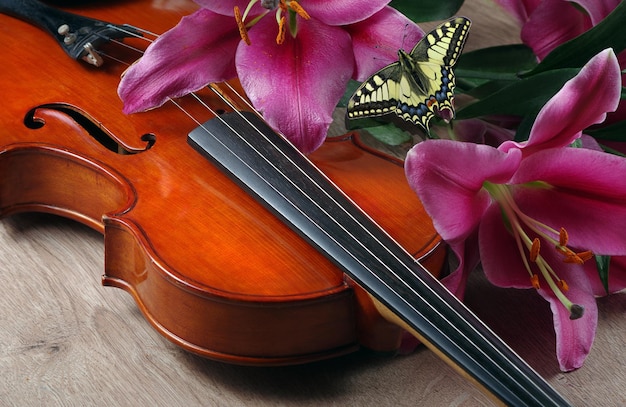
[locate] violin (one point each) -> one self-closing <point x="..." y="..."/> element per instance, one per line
<point x="234" y="245"/>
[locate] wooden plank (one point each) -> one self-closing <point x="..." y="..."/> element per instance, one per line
<point x="66" y="340"/>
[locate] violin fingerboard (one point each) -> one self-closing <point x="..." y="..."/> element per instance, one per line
<point x="272" y="170"/>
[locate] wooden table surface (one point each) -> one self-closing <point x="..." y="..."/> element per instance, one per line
<point x="66" y="340"/>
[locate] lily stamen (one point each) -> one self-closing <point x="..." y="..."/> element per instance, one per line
<point x="283" y="8"/>
<point x="517" y="220"/>
<point x="563" y="237"/>
<point x="534" y="280"/>
<point x="586" y="255"/>
<point x="280" y="37"/>
<point x="576" y="310"/>
<point x="241" y="20"/>
<point x="572" y="257"/>
<point x="243" y="32"/>
<point x="295" y="6"/>
<point x="557" y="285"/>
<point x="534" y="249"/>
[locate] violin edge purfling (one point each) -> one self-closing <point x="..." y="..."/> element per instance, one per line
<point x="173" y="278"/>
<point x="185" y="246"/>
<point x="270" y="168"/>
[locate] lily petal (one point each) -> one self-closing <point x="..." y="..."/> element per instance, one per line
<point x="172" y="73"/>
<point x="481" y="132"/>
<point x="583" y="101"/>
<point x="598" y="9"/>
<point x="448" y="178"/>
<point x="590" y="143"/>
<point x="552" y="23"/>
<point x="296" y="85"/>
<point x="226" y="7"/>
<point x="342" y="12"/>
<point x="468" y="256"/>
<point x="519" y="9"/>
<point x="574" y="338"/>
<point x="617" y="276"/>
<point x="578" y="178"/>
<point x="376" y="41"/>
<point x="500" y="257"/>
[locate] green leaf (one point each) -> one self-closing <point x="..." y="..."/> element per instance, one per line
<point x="502" y="62"/>
<point x="484" y="71"/>
<point x="351" y="87"/>
<point x="522" y="97"/>
<point x="612" y="132"/>
<point x="389" y="134"/>
<point x="385" y="132"/>
<point x="523" y="129"/>
<point x="609" y="33"/>
<point x="602" y="263"/>
<point x="421" y="11"/>
<point x="480" y="90"/>
<point x="610" y="150"/>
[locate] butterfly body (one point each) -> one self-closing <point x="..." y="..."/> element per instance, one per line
<point x="420" y="84"/>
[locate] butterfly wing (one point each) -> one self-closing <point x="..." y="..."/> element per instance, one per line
<point x="428" y="71"/>
<point x="420" y="84"/>
<point x="378" y="95"/>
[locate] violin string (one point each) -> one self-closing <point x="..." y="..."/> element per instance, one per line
<point x="373" y="255"/>
<point x="249" y="105"/>
<point x="313" y="201"/>
<point x="130" y="32"/>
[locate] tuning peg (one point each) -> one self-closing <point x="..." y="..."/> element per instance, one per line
<point x="68" y="36"/>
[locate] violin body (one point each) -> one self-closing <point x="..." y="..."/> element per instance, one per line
<point x="210" y="268"/>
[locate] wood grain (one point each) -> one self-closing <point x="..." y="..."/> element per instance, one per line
<point x="65" y="340"/>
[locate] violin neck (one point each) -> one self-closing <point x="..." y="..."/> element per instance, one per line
<point x="287" y="183"/>
<point x="281" y="178"/>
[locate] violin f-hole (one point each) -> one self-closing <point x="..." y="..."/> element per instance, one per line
<point x="91" y="126"/>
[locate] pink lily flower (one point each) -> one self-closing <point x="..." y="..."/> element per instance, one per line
<point x="547" y="24"/>
<point x="294" y="71"/>
<point x="536" y="211"/>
